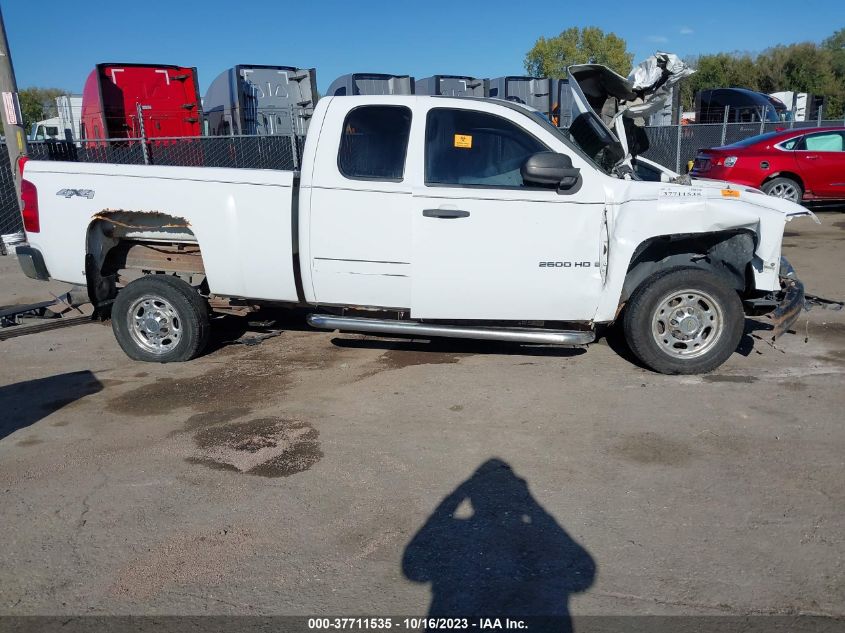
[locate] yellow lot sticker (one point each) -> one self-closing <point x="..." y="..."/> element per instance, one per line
<point x="463" y="140"/>
<point x="730" y="193"/>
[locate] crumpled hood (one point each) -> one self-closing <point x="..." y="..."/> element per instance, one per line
<point x="710" y="206"/>
<point x="644" y="91"/>
<point x="786" y="207"/>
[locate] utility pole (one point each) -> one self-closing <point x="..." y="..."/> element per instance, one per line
<point x="12" y="120"/>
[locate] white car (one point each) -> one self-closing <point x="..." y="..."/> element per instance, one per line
<point x="419" y="216"/>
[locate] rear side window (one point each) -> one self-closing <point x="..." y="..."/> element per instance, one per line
<point x="823" y="142"/>
<point x="374" y="142"/>
<point x="471" y="148"/>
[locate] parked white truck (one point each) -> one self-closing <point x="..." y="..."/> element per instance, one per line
<point x="66" y="124"/>
<point x="425" y="217"/>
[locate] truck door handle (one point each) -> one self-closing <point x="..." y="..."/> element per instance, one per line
<point x="449" y="214"/>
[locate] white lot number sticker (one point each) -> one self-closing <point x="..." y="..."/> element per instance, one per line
<point x="681" y="192"/>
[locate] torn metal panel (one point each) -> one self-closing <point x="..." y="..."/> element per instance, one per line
<point x="43" y="326"/>
<point x="70" y="308"/>
<point x="791" y="300"/>
<point x="789" y="308"/>
<point x="145" y="224"/>
<point x="603" y="100"/>
<point x="652" y="80"/>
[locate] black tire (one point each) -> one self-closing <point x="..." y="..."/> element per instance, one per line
<point x="777" y="187"/>
<point x="671" y="345"/>
<point x="184" y="312"/>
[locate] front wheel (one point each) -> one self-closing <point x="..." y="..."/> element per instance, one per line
<point x="684" y="321"/>
<point x="160" y="319"/>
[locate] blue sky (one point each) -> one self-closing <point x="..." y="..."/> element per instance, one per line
<point x="58" y="43"/>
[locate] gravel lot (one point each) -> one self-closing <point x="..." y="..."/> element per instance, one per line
<point x="319" y="473"/>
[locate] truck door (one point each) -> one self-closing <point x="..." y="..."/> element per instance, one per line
<point x="821" y="161"/>
<point x="359" y="243"/>
<point x="485" y="245"/>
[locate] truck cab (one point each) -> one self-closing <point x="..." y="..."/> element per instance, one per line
<point x="46" y="130"/>
<point x="423" y="206"/>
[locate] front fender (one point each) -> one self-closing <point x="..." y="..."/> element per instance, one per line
<point x="684" y="210"/>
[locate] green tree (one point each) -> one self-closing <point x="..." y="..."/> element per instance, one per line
<point x="802" y="67"/>
<point x="549" y="57"/>
<point x="835" y="44"/>
<point x="38" y="104"/>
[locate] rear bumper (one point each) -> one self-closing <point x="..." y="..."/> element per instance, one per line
<point x="32" y="263"/>
<point x="791" y="300"/>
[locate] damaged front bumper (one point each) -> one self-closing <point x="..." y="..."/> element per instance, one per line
<point x="791" y="298"/>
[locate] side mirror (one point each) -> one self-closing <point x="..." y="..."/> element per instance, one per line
<point x="550" y="169"/>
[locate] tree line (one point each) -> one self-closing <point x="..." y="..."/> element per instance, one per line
<point x="818" y="68"/>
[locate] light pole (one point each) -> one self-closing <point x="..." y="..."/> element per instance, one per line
<point x="13" y="128"/>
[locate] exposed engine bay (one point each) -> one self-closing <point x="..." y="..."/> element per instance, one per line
<point x="609" y="110"/>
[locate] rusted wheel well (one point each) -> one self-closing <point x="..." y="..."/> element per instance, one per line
<point x="726" y="253"/>
<point x="122" y="245"/>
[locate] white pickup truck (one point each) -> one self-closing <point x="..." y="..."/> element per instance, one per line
<point x="425" y="217"/>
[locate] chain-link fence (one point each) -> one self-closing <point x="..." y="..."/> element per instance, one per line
<point x="674" y="146"/>
<point x="10" y="217"/>
<point x="246" y="152"/>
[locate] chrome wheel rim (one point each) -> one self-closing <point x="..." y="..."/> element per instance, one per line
<point x="785" y="190"/>
<point x="154" y="324"/>
<point x="687" y="323"/>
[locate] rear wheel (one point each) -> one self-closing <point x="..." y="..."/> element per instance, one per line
<point x="684" y="321"/>
<point x="785" y="188"/>
<point x="160" y="319"/>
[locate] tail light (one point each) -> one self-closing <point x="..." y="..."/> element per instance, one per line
<point x="29" y="196"/>
<point x="727" y="161"/>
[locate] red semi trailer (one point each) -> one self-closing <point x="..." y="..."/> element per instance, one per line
<point x="167" y="98"/>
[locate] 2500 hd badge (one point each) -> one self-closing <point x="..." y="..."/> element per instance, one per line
<point x="570" y="264"/>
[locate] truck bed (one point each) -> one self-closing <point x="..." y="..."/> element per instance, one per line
<point x="241" y="218"/>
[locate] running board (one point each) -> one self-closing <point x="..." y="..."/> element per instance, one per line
<point x="413" y="328"/>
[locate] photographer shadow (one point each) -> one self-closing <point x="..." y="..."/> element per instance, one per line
<point x="490" y="550"/>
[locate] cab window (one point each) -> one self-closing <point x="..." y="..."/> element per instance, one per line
<point x="374" y="142"/>
<point x="471" y="148"/>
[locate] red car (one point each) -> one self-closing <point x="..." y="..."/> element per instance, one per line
<point x="800" y="164"/>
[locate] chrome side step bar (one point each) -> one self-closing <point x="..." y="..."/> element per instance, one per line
<point x="537" y="336"/>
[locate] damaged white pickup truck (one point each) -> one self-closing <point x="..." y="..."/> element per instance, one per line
<point x="424" y="217"/>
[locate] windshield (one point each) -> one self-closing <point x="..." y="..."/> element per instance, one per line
<point x="567" y="139"/>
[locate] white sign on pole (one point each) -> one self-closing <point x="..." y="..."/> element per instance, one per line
<point x="11" y="108"/>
